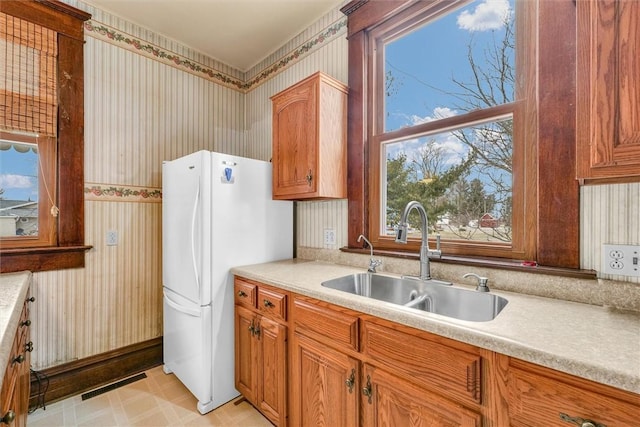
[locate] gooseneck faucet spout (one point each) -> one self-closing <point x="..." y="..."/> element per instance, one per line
<point x="401" y="237"/>
<point x="373" y="263"/>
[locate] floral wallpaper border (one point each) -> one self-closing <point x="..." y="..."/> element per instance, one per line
<point x="111" y="35"/>
<point x="121" y="193"/>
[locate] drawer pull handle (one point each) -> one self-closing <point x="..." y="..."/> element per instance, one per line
<point x="8" y="417"/>
<point x="26" y="323"/>
<point x="580" y="421"/>
<point x="366" y="390"/>
<point x="350" y="382"/>
<point x="268" y="303"/>
<point x="28" y="346"/>
<point x="19" y="359"/>
<point x="242" y="294"/>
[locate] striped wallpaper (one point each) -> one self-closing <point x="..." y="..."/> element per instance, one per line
<point x="141" y="110"/>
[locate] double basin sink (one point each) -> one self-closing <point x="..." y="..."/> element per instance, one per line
<point x="431" y="295"/>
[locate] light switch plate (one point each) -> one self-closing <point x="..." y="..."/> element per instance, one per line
<point x="623" y="260"/>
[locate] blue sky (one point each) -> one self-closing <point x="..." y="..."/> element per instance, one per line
<point x="432" y="57"/>
<point x="18" y="174"/>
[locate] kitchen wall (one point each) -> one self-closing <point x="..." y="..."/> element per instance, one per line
<point x="149" y="99"/>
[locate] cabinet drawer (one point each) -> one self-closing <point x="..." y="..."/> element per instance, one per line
<point x="427" y="363"/>
<point x="272" y="302"/>
<point x="245" y="292"/>
<point x="538" y="400"/>
<point x="339" y="327"/>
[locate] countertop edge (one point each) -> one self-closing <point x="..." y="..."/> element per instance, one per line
<point x="14" y="288"/>
<point x="462" y="331"/>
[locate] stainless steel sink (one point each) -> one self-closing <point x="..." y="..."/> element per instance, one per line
<point x="431" y="295"/>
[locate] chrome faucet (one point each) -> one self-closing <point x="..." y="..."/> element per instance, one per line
<point x="373" y="263"/>
<point x="401" y="237"/>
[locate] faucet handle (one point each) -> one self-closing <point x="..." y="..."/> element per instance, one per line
<point x="373" y="263"/>
<point x="482" y="282"/>
<point x="437" y="253"/>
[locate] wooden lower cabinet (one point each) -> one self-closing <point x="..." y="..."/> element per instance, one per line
<point x="543" y="397"/>
<point x="351" y="369"/>
<point x="324" y="385"/>
<point x="261" y="353"/>
<point x="14" y="395"/>
<point x="391" y="401"/>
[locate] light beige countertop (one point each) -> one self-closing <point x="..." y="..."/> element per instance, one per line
<point x="588" y="341"/>
<point x="13" y="291"/>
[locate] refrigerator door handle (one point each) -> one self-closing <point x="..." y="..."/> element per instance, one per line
<point x="181" y="308"/>
<point x="193" y="238"/>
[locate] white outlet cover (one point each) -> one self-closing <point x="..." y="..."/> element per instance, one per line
<point x="329" y="236"/>
<point x="622" y="260"/>
<point x="112" y="238"/>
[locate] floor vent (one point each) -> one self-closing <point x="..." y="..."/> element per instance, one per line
<point x="113" y="386"/>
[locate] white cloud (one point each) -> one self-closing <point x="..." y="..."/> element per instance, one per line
<point x="11" y="181"/>
<point x="438" y="113"/>
<point x="488" y="15"/>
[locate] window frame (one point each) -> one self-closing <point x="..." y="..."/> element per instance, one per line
<point x="68" y="250"/>
<point x="547" y="166"/>
<point x="46" y="173"/>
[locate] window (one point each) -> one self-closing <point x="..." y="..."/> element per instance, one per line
<point x="447" y="107"/>
<point x="42" y="152"/>
<point x="28" y="127"/>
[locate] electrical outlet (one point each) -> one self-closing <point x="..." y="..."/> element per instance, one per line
<point x="329" y="236"/>
<point x="112" y="238"/>
<point x="623" y="260"/>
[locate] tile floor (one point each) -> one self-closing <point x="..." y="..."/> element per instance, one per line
<point x="155" y="401"/>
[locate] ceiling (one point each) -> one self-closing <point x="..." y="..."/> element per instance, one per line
<point x="239" y="33"/>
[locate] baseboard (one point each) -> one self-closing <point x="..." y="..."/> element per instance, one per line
<point x="82" y="375"/>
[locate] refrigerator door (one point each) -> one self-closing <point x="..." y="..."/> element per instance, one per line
<point x="187" y="342"/>
<point x="248" y="227"/>
<point x="185" y="231"/>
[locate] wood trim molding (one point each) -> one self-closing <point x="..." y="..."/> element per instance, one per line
<point x="70" y="379"/>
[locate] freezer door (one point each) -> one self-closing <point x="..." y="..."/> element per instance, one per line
<point x="185" y="231"/>
<point x="187" y="349"/>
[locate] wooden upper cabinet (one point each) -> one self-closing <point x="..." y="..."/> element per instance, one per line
<point x="608" y="71"/>
<point x="309" y="140"/>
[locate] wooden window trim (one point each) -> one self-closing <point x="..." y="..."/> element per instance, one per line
<point x="70" y="248"/>
<point x="554" y="240"/>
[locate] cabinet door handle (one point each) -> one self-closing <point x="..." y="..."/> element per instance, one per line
<point x="28" y="346"/>
<point x="268" y="303"/>
<point x="366" y="390"/>
<point x="580" y="421"/>
<point x="26" y="323"/>
<point x="309" y="177"/>
<point x="31" y="299"/>
<point x="252" y="328"/>
<point x="18" y="359"/>
<point x="350" y="382"/>
<point x="8" y="417"/>
<point x="242" y="294"/>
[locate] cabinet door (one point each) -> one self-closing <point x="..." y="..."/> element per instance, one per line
<point x="608" y="91"/>
<point x="324" y="385"/>
<point x="272" y="395"/>
<point x="295" y="143"/>
<point x="246" y="357"/>
<point x="389" y="401"/>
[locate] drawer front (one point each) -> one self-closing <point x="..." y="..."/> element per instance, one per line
<point x="272" y="303"/>
<point x="245" y="292"/>
<point x="338" y="327"/>
<point x="537" y="400"/>
<point x="427" y="363"/>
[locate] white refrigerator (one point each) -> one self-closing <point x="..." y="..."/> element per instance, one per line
<point x="217" y="213"/>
